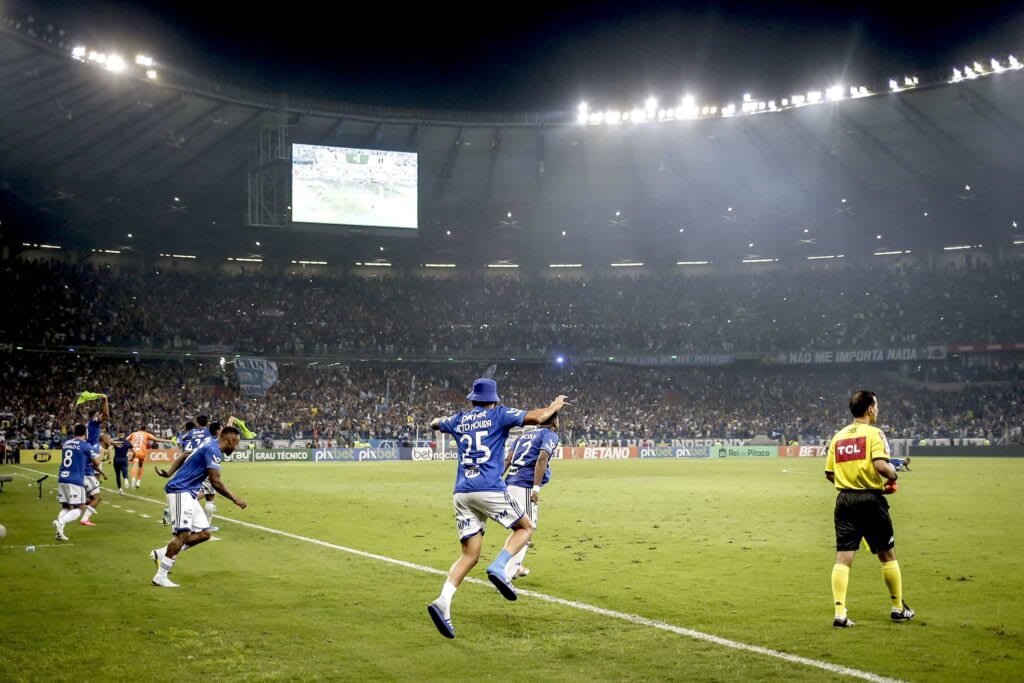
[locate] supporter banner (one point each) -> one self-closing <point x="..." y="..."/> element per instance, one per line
<point x="39" y="456"/>
<point x="861" y="355"/>
<point x="968" y="348"/>
<point x="802" y="451"/>
<point x="255" y="376"/>
<point x="599" y="452"/>
<point x="687" y="359"/>
<point x="214" y="348"/>
<point x="281" y="455"/>
<point x="675" y="452"/>
<point x="744" y="451"/>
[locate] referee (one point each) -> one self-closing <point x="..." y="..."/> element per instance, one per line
<point x="858" y="465"/>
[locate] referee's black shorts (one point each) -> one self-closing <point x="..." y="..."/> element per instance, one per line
<point x="863" y="514"/>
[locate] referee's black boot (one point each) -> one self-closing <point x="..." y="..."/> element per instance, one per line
<point x="905" y="614"/>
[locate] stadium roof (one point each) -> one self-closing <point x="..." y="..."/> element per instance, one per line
<point x="90" y="156"/>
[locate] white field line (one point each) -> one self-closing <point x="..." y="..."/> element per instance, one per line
<point x="837" y="669"/>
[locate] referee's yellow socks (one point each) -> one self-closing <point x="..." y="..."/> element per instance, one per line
<point x="840" y="582"/>
<point x="894" y="582"/>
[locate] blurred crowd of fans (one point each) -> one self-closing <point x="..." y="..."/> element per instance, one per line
<point x="59" y="305"/>
<point x="342" y="404"/>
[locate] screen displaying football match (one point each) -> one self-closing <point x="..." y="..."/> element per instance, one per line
<point x="348" y="186"/>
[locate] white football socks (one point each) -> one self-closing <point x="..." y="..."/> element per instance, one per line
<point x="209" y="508"/>
<point x="516" y="562"/>
<point x="67" y="516"/>
<point x="445" y="600"/>
<point x="89" y="512"/>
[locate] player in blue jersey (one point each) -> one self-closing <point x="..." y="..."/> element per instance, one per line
<point x="480" y="493"/>
<point x="71" y="481"/>
<point x="196" y="434"/>
<point x="528" y="470"/>
<point x="94" y="427"/>
<point x="93" y="470"/>
<point x="186" y="480"/>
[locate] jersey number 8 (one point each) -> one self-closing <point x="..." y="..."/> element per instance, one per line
<point x="68" y="457"/>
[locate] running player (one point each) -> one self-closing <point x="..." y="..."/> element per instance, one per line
<point x="93" y="467"/>
<point x="186" y="479"/>
<point x="528" y="470"/>
<point x="480" y="492"/>
<point x="71" y="481"/>
<point x="858" y="465"/>
<point x="141" y="441"/>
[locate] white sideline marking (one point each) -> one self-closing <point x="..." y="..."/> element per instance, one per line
<point x="142" y="515"/>
<point x="785" y="471"/>
<point x="44" y="545"/>
<point x="623" y="616"/>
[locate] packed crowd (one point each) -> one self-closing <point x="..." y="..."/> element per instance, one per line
<point x="342" y="403"/>
<point x="59" y="305"/>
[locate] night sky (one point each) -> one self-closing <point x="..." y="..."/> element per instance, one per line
<point x="542" y="56"/>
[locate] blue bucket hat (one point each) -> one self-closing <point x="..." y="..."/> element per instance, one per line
<point x="484" y="390"/>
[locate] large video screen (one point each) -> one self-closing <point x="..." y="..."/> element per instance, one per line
<point x="346" y="186"/>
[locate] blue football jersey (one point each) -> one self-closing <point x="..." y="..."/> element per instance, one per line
<point x="73" y="455"/>
<point x="525" y="452"/>
<point x="92" y="452"/>
<point x="481" y="434"/>
<point x="189" y="477"/>
<point x="92" y="431"/>
<point x="194" y="438"/>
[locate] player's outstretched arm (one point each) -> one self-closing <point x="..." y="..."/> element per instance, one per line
<point x="106" y="409"/>
<point x="542" y="415"/>
<point x="178" y="462"/>
<point x="435" y="424"/>
<point x="219" y="487"/>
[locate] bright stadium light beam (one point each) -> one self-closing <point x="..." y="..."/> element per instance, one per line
<point x="957" y="247"/>
<point x="151" y="74"/>
<point x="565" y="265"/>
<point x="79" y="53"/>
<point x="760" y="260"/>
<point x="116" y="64"/>
<point x="835" y="93"/>
<point x="144" y="60"/>
<point x="438" y="265"/>
<point x="692" y="263"/>
<point x="625" y="265"/>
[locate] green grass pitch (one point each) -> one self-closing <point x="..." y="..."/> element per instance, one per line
<point x="736" y="548"/>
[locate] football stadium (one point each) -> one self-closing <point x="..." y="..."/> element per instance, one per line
<point x="287" y="373"/>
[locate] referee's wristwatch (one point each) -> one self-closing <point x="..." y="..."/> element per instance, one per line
<point x="894" y="478"/>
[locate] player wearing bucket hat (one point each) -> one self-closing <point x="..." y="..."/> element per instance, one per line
<point x="480" y="493"/>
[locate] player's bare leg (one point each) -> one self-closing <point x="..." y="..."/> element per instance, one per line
<point x="522" y="530"/>
<point x="441" y="609"/>
<point x="90" y="509"/>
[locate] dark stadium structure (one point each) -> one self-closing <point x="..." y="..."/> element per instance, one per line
<point x="89" y="156"/>
<point x="736" y="245"/>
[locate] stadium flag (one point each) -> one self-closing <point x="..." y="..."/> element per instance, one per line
<point x="255" y="376"/>
<point x="86" y="396"/>
<point x="244" y="430"/>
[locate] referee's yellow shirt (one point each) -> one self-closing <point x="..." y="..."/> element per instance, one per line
<point x="852" y="454"/>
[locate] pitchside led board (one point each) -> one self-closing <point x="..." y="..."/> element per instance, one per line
<point x="344" y="186"/>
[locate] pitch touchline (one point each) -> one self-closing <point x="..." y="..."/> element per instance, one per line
<point x="622" y="616"/>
